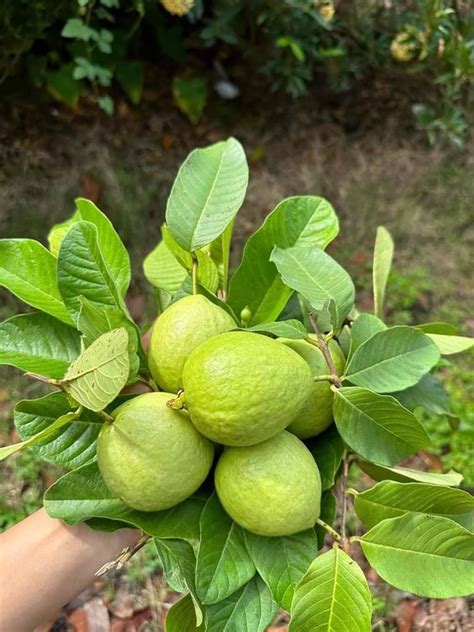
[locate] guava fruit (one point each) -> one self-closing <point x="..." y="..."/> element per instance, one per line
<point x="242" y="388"/>
<point x="179" y="330"/>
<point x="273" y="488"/>
<point x="151" y="456"/>
<point x="316" y="414"/>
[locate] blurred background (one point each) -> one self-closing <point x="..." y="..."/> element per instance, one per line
<point x="366" y="103"/>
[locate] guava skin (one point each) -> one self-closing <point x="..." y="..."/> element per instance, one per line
<point x="151" y="456"/>
<point x="242" y="388"/>
<point x="316" y="415"/>
<point x="273" y="488"/>
<point x="179" y="330"/>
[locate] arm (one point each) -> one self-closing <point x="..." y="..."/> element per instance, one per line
<point x="45" y="563"/>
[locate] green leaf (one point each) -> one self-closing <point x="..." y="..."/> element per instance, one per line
<point x="101" y="371"/>
<point x="377" y="427"/>
<point x="82" y="494"/>
<point x="389" y="499"/>
<point x="449" y="345"/>
<point x="95" y="321"/>
<point x="293" y="329"/>
<point x="178" y="561"/>
<point x="63" y="86"/>
<point x="28" y="270"/>
<point x="250" y="609"/>
<point x="327" y="449"/>
<point x="181" y="617"/>
<point x="39" y="344"/>
<point x="223" y="563"/>
<point x="217" y="176"/>
<point x="8" y="450"/>
<point x="333" y="596"/>
<point x="392" y="360"/>
<point x="406" y="474"/>
<point x="282" y="561"/>
<point x="57" y="234"/>
<point x="364" y="327"/>
<point x="220" y="252"/>
<point x="131" y="75"/>
<point x="83" y="271"/>
<point x="428" y="393"/>
<point x="425" y="555"/>
<point x="163" y="270"/>
<point x="318" y="278"/>
<point x="190" y="95"/>
<point x="296" y="221"/>
<point x="383" y="255"/>
<point x="69" y="446"/>
<point x="438" y="328"/>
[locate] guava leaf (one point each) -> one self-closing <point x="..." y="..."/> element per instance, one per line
<point x="296" y="221"/>
<point x="220" y="251"/>
<point x="392" y="360"/>
<point x="39" y="344"/>
<point x="408" y="475"/>
<point x="83" y="271"/>
<point x="282" y="561"/>
<point x="71" y="445"/>
<point x="429" y="394"/>
<point x="163" y="270"/>
<point x="426" y="555"/>
<point x="207" y="193"/>
<point x="249" y="609"/>
<point x="223" y="562"/>
<point x="178" y="561"/>
<point x="293" y="329"/>
<point x="101" y="371"/>
<point x="327" y="450"/>
<point x="82" y="494"/>
<point x="364" y="327"/>
<point x="377" y="427"/>
<point x="439" y="328"/>
<point x="181" y="617"/>
<point x="318" y="278"/>
<point x="113" y="250"/>
<point x="383" y="255"/>
<point x="8" y="450"/>
<point x="332" y="596"/>
<point x="190" y="95"/>
<point x="389" y="499"/>
<point x="449" y="345"/>
<point x="28" y="270"/>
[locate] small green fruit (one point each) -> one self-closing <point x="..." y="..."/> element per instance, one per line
<point x="242" y="388"/>
<point x="316" y="414"/>
<point x="179" y="330"/>
<point x="273" y="488"/>
<point x="151" y="456"/>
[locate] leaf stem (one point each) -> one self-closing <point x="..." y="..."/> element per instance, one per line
<point x="323" y="347"/>
<point x="194" y="273"/>
<point x="329" y="529"/>
<point x="105" y="416"/>
<point x="42" y="378"/>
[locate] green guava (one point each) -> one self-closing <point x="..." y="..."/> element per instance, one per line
<point x="242" y="388"/>
<point x="273" y="488"/>
<point x="316" y="414"/>
<point x="179" y="330"/>
<point x="151" y="456"/>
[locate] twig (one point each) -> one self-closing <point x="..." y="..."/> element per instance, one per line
<point x="329" y="529"/>
<point x="345" y="472"/>
<point x="321" y="344"/>
<point x="123" y="557"/>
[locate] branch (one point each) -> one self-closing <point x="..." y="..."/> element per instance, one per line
<point x="322" y="345"/>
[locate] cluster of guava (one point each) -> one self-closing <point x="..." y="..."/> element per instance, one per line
<point x="239" y="398"/>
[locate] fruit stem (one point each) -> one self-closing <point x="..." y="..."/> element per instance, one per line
<point x="345" y="473"/>
<point x="194" y="273"/>
<point x="324" y="378"/>
<point x="178" y="403"/>
<point x="46" y="380"/>
<point x="105" y="416"/>
<point x="329" y="529"/>
<point x="322" y="346"/>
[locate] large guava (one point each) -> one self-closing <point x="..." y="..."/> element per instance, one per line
<point x="151" y="456"/>
<point x="179" y="330"/>
<point x="273" y="488"/>
<point x="316" y="414"/>
<point x="242" y="388"/>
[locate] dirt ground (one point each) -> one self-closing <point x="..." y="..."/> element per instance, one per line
<point x="367" y="161"/>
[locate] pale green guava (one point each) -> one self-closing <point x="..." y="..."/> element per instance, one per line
<point x="273" y="488"/>
<point x="316" y="414"/>
<point x="242" y="388"/>
<point x="151" y="456"/>
<point x="179" y="330"/>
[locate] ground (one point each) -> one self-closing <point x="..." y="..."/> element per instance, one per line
<point x="372" y="167"/>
